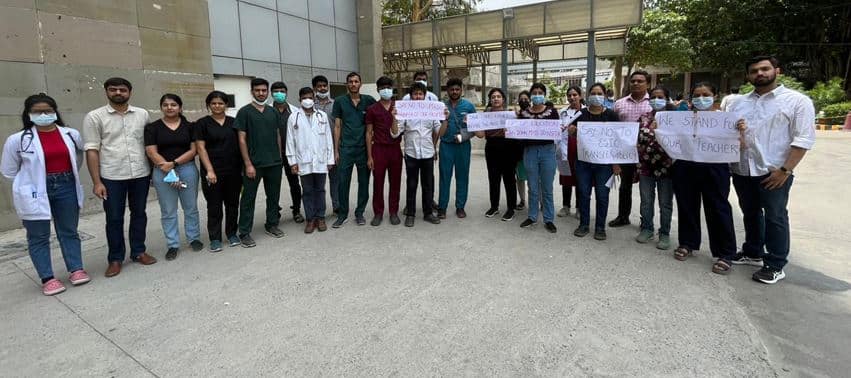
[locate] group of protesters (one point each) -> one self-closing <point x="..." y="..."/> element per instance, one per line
<point x="318" y="144"/>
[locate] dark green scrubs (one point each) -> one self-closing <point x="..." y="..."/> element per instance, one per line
<point x="352" y="150"/>
<point x="262" y="138"/>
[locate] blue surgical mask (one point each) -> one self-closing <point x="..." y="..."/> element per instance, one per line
<point x="596" y="100"/>
<point x="280" y="97"/>
<point x="386" y="93"/>
<point x="658" y="103"/>
<point x="43" y="119"/>
<point x="538" y="99"/>
<point x="703" y="102"/>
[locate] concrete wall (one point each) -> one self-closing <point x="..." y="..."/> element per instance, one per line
<point x="67" y="48"/>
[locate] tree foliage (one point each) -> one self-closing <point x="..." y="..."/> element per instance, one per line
<point x="827" y="93"/>
<point x="660" y="40"/>
<point x="404" y="11"/>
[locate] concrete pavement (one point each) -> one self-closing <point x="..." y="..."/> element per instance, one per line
<point x="467" y="297"/>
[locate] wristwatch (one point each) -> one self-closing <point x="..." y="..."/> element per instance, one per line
<point x="788" y="172"/>
<point x="175" y="163"/>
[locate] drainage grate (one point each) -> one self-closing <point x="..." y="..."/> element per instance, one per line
<point x="14" y="250"/>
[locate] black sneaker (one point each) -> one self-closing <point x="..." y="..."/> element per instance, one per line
<point x="339" y="222"/>
<point x="376" y="221"/>
<point x="619" y="222"/>
<point x="550" y="227"/>
<point x="521" y="205"/>
<point x="491" y="212"/>
<point x="394" y="219"/>
<point x="196" y="245"/>
<point x="247" y="241"/>
<point x="526" y="223"/>
<point x="600" y="235"/>
<point x="441" y="213"/>
<point x="409" y="221"/>
<point x="768" y="275"/>
<point x="297" y="217"/>
<point x="581" y="231"/>
<point x="460" y="213"/>
<point x="508" y="216"/>
<point x="171" y="254"/>
<point x="741" y="259"/>
<point x="360" y="220"/>
<point x="430" y="218"/>
<point x="274" y="231"/>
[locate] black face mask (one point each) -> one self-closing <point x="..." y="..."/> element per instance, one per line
<point x="524" y="104"/>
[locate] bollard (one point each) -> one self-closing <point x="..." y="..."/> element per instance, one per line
<point x="847" y="126"/>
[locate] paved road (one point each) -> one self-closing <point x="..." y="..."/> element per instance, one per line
<point x="475" y="297"/>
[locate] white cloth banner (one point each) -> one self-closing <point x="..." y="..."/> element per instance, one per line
<point x="534" y="129"/>
<point x="488" y="120"/>
<point x="607" y="142"/>
<point x="425" y="110"/>
<point x="704" y="137"/>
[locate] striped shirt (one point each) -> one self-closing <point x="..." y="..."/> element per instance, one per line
<point x="630" y="110"/>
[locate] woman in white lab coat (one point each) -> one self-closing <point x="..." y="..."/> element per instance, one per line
<point x="310" y="153"/>
<point x="42" y="162"/>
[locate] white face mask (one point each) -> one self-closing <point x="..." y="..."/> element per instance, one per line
<point x="703" y="102"/>
<point x="258" y="102"/>
<point x="423" y="82"/>
<point x="307" y="103"/>
<point x="386" y="93"/>
<point x="322" y="94"/>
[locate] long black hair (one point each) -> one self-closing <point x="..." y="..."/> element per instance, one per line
<point x="38" y="99"/>
<point x="491" y="92"/>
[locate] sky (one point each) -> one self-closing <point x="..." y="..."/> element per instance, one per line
<point x="486" y="5"/>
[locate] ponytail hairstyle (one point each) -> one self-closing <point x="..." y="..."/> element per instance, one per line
<point x="38" y="99"/>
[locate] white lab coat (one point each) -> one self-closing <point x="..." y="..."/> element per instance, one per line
<point x="310" y="143"/>
<point x="24" y="164"/>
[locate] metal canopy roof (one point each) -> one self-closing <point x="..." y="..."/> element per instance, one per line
<point x="553" y="30"/>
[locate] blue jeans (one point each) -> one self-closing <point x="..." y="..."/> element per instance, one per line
<point x="313" y="196"/>
<point x="648" y="185"/>
<point x="62" y="194"/>
<point x="540" y="163"/>
<point x="766" y="219"/>
<point x="168" y="196"/>
<point x="453" y="156"/>
<point x="590" y="175"/>
<point x="120" y="194"/>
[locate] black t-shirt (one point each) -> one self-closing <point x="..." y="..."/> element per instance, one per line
<point x="548" y="113"/>
<point x="170" y="143"/>
<point x="607" y="115"/>
<point x="221" y="143"/>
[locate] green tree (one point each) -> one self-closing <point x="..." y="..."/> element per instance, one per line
<point x="787" y="81"/>
<point x="404" y="11"/>
<point x="660" y="40"/>
<point x="824" y="94"/>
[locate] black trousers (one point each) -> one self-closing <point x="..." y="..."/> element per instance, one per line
<point x="419" y="170"/>
<point x="501" y="159"/>
<point x="709" y="182"/>
<point x="295" y="186"/>
<point x="567" y="194"/>
<point x="224" y="192"/>
<point x="625" y="191"/>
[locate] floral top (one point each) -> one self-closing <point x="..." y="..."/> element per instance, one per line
<point x="653" y="160"/>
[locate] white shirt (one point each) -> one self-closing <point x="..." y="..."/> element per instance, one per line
<point x="776" y="121"/>
<point x="419" y="137"/>
<point x="728" y="100"/>
<point x="120" y="140"/>
<point x="310" y="143"/>
<point x="429" y="97"/>
<point x="23" y="163"/>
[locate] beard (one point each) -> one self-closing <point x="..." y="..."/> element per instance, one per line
<point x="120" y="100"/>
<point x="764" y="81"/>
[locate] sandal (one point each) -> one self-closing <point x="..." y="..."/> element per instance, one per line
<point x="721" y="266"/>
<point x="682" y="253"/>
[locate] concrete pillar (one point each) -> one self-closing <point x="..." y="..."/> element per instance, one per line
<point x="503" y="72"/>
<point x="591" y="68"/>
<point x="435" y="72"/>
<point x="370" y="51"/>
<point x="484" y="86"/>
<point x="687" y="84"/>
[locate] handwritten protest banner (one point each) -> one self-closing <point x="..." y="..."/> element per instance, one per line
<point x="535" y="129"/>
<point x="426" y="110"/>
<point x="607" y="142"/>
<point x="488" y="120"/>
<point x="705" y="137"/>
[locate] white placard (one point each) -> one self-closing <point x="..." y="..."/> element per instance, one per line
<point x="488" y="120"/>
<point x="705" y="137"/>
<point x="533" y="129"/>
<point x="608" y="142"/>
<point x="425" y="110"/>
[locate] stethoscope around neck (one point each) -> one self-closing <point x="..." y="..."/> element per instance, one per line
<point x="29" y="135"/>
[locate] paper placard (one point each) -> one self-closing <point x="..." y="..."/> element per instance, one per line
<point x="425" y="110"/>
<point x="705" y="137"/>
<point x="533" y="129"/>
<point x="608" y="142"/>
<point x="488" y="120"/>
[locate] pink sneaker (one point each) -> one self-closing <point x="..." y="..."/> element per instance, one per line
<point x="52" y="287"/>
<point x="79" y="277"/>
